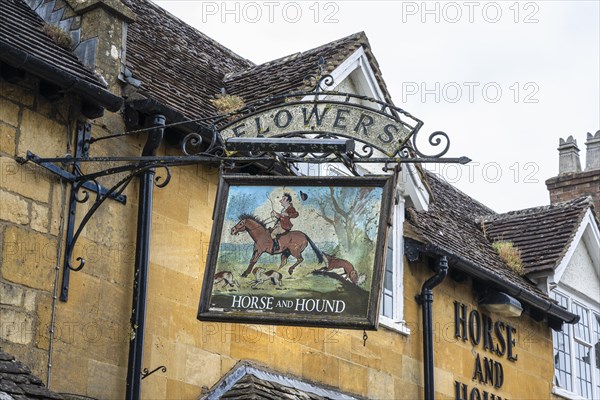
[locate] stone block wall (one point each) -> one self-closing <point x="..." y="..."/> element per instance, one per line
<point x="91" y="332"/>
<point x="30" y="206"/>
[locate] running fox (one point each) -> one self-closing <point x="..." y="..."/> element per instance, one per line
<point x="343" y="268"/>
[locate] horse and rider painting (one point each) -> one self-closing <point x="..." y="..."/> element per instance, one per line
<point x="297" y="247"/>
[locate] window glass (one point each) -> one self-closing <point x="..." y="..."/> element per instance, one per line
<point x="582" y="329"/>
<point x="584" y="370"/>
<point x="577" y="350"/>
<point x="562" y="350"/>
<point x="388" y="279"/>
<point x="596" y="350"/>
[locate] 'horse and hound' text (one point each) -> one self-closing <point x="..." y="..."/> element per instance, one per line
<point x="303" y="305"/>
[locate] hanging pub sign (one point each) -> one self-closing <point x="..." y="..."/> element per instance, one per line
<point x="379" y="129"/>
<point x="306" y="251"/>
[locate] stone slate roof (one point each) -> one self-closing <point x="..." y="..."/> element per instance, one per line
<point x="542" y="234"/>
<point x="451" y="226"/>
<point x="184" y="69"/>
<point x="178" y="66"/>
<point x="20" y="28"/>
<point x="248" y="380"/>
<point x="251" y="387"/>
<point x="18" y="383"/>
<point x="288" y="73"/>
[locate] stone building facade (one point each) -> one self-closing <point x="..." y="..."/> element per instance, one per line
<point x="130" y="61"/>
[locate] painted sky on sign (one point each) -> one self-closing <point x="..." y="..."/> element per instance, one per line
<point x="505" y="80"/>
<point x="261" y="200"/>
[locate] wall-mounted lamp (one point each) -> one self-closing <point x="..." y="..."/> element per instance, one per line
<point x="501" y="303"/>
<point x="290" y="145"/>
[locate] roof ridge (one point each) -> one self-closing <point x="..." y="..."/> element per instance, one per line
<point x="441" y="180"/>
<point x="230" y="52"/>
<point x="574" y="203"/>
<point x="354" y="36"/>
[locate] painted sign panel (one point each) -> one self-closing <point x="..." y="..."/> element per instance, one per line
<point x="301" y="251"/>
<point x="381" y="130"/>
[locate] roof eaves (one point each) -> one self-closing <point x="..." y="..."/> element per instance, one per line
<point x="92" y="93"/>
<point x="176" y="119"/>
<point x="547" y="306"/>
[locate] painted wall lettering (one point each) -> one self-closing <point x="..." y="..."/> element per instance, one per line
<point x="462" y="392"/>
<point x="496" y="337"/>
<point x="488" y="371"/>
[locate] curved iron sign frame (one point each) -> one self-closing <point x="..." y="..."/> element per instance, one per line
<point x="382" y="131"/>
<point x="398" y="121"/>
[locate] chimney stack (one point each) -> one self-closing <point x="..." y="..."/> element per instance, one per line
<point x="568" y="156"/>
<point x="571" y="181"/>
<point x="592" y="155"/>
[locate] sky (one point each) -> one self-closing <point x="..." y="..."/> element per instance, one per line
<point x="260" y="200"/>
<point x="505" y="80"/>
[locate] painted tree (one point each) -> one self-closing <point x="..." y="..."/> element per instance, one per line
<point x="353" y="214"/>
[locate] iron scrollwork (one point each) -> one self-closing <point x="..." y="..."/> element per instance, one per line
<point x="118" y="189"/>
<point x="207" y="146"/>
<point x="195" y="140"/>
<point x="146" y="373"/>
<point x="82" y="185"/>
<point x="435" y="140"/>
<point x="320" y="85"/>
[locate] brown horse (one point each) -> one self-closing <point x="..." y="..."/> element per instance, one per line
<point x="290" y="243"/>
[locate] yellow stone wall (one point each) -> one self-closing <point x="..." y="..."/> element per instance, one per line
<point x="92" y="332"/>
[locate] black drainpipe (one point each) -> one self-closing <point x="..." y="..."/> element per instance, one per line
<point x="142" y="256"/>
<point x="426" y="299"/>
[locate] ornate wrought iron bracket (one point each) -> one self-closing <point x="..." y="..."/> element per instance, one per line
<point x="81" y="186"/>
<point x="317" y="148"/>
<point x="146" y="374"/>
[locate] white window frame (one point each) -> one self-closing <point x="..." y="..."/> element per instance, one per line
<point x="358" y="69"/>
<point x="396" y="322"/>
<point x="592" y="310"/>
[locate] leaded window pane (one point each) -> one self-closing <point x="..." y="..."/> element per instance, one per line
<point x="562" y="358"/>
<point x="584" y="370"/>
<point x="562" y="300"/>
<point x="582" y="329"/>
<point x="562" y="350"/>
